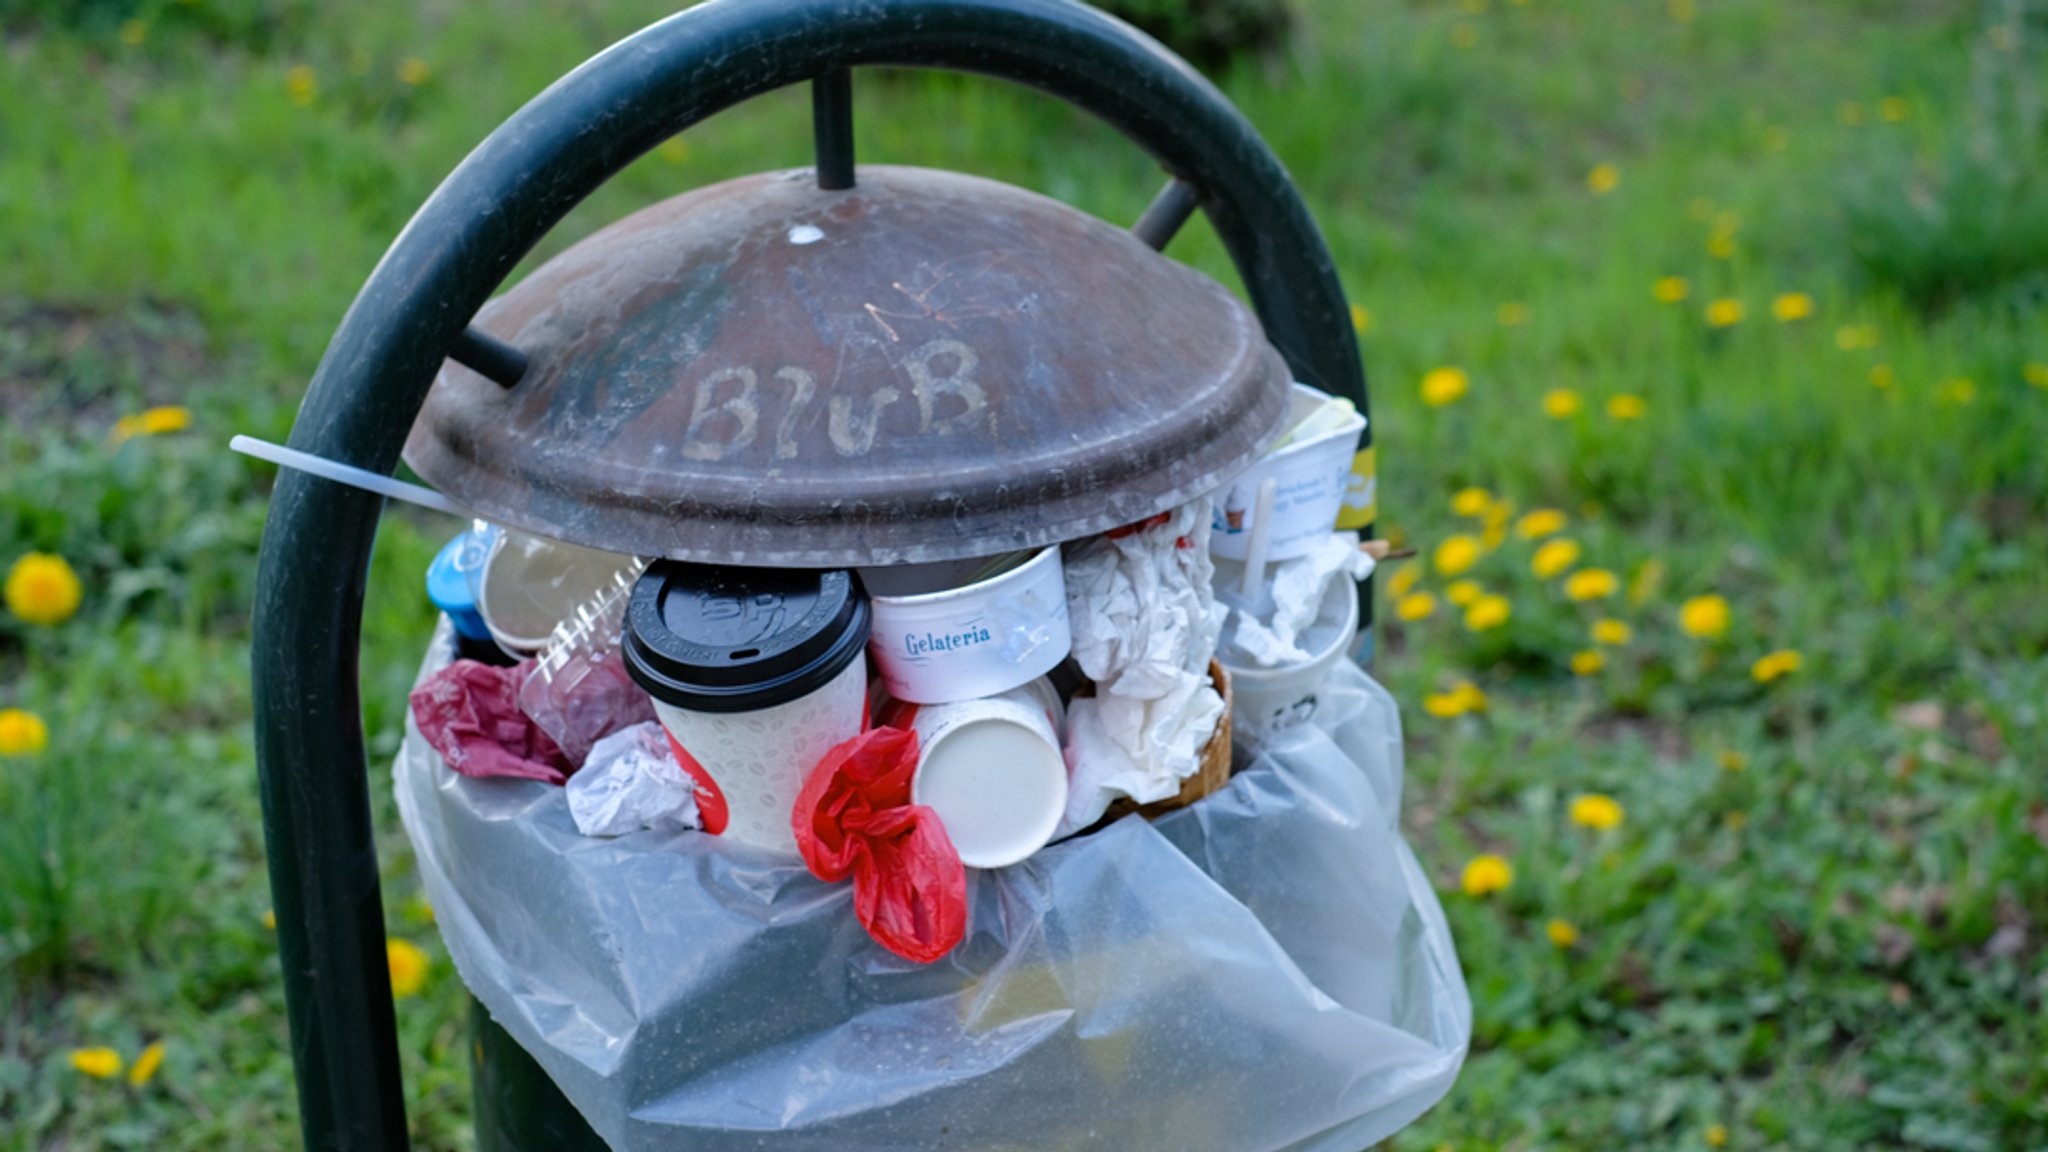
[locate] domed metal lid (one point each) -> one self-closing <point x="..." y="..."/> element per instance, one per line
<point x="927" y="366"/>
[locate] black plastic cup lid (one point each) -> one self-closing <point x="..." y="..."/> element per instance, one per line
<point x="710" y="638"/>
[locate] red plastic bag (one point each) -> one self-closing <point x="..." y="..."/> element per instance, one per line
<point x="470" y="713"/>
<point x="854" y="816"/>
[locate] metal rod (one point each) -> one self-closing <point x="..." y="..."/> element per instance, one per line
<point x="488" y="356"/>
<point x="832" y="121"/>
<point x="1167" y="212"/>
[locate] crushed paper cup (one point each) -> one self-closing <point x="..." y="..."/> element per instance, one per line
<point x="1270" y="700"/>
<point x="1311" y="475"/>
<point x="966" y="643"/>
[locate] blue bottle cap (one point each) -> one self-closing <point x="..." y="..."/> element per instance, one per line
<point x="448" y="587"/>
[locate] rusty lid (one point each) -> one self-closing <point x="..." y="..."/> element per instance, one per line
<point x="927" y="366"/>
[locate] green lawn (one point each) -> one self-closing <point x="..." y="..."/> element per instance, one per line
<point x="1819" y="921"/>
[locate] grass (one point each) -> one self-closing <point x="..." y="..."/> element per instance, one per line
<point x="1834" y="943"/>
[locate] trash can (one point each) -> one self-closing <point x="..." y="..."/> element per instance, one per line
<point x="815" y="369"/>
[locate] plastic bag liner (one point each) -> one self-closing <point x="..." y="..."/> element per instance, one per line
<point x="1267" y="969"/>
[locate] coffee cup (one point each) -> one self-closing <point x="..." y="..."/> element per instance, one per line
<point x="756" y="674"/>
<point x="991" y="769"/>
<point x="1266" y="701"/>
<point x="942" y="635"/>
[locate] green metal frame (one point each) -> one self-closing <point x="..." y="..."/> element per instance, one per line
<point x="455" y="253"/>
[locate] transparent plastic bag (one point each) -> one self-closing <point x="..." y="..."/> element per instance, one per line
<point x="1267" y="969"/>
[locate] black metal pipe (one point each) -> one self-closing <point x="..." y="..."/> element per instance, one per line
<point x="460" y="246"/>
<point x="488" y="356"/>
<point x="1169" y="210"/>
<point x="832" y="125"/>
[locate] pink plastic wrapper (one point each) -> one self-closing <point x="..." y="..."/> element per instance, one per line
<point x="589" y="697"/>
<point x="470" y="714"/>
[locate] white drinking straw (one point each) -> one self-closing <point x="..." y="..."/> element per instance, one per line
<point x="1256" y="548"/>
<point x="347" y="474"/>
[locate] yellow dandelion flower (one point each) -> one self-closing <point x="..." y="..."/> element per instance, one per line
<point x="1464" y="35"/>
<point x="1957" y="392"/>
<point x="1513" y="314"/>
<point x="151" y="422"/>
<point x="1445" y="705"/>
<point x="146" y="1064"/>
<point x="1792" y="306"/>
<point x="1591" y="584"/>
<point x="1728" y="221"/>
<point x="1561" y="933"/>
<point x="1773" y="665"/>
<point x="301" y="84"/>
<point x="1705" y="617"/>
<point x="1777" y="139"/>
<point x="1486" y="874"/>
<point x="1596" y="811"/>
<point x="1851" y="113"/>
<point x="1736" y="821"/>
<point x="1415" y="606"/>
<point x="1463" y="592"/>
<point x="1626" y="406"/>
<point x="1487" y="613"/>
<point x="134" y="32"/>
<point x="1554" y="557"/>
<point x="1471" y="502"/>
<point x="1724" y="313"/>
<point x="1441" y="386"/>
<point x="98" y="1063"/>
<point x="675" y="150"/>
<point x="1540" y="522"/>
<point x="1603" y="179"/>
<point x="1496" y="533"/>
<point x="408" y="967"/>
<point x="1850" y="337"/>
<point x="1561" y="403"/>
<point x="1670" y="289"/>
<point x="1469" y="694"/>
<point x="413" y="71"/>
<point x="1610" y="632"/>
<point x="1721" y="245"/>
<point x="42" y="589"/>
<point x="1893" y="109"/>
<point x="1403" y="580"/>
<point x="1648" y="579"/>
<point x="1717" y="1135"/>
<point x="1456" y="555"/>
<point x="2035" y="374"/>
<point x="1361" y="320"/>
<point x="22" y="733"/>
<point x="1588" y="662"/>
<point x="1731" y="760"/>
<point x="1681" y="11"/>
<point x="1881" y="376"/>
<point x="270" y="919"/>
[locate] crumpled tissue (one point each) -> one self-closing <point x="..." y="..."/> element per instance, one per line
<point x="1145" y="623"/>
<point x="470" y="713"/>
<point x="631" y="781"/>
<point x="1298" y="589"/>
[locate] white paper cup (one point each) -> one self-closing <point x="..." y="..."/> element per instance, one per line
<point x="1311" y="479"/>
<point x="753" y="764"/>
<point x="991" y="769"/>
<point x="1269" y="700"/>
<point x="975" y="641"/>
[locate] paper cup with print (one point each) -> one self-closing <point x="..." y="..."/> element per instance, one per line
<point x="1311" y="477"/>
<point x="1269" y="700"/>
<point x="756" y="674"/>
<point x="992" y="769"/>
<point x="978" y="640"/>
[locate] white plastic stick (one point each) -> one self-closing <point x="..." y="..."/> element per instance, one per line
<point x="1260" y="543"/>
<point x="347" y="474"/>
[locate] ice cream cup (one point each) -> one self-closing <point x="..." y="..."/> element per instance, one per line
<point x="755" y="674"/>
<point x="1311" y="476"/>
<point x="975" y="640"/>
<point x="1270" y="700"/>
<point x="530" y="584"/>
<point x="991" y="769"/>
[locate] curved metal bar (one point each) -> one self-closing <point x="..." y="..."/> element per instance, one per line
<point x="455" y="252"/>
